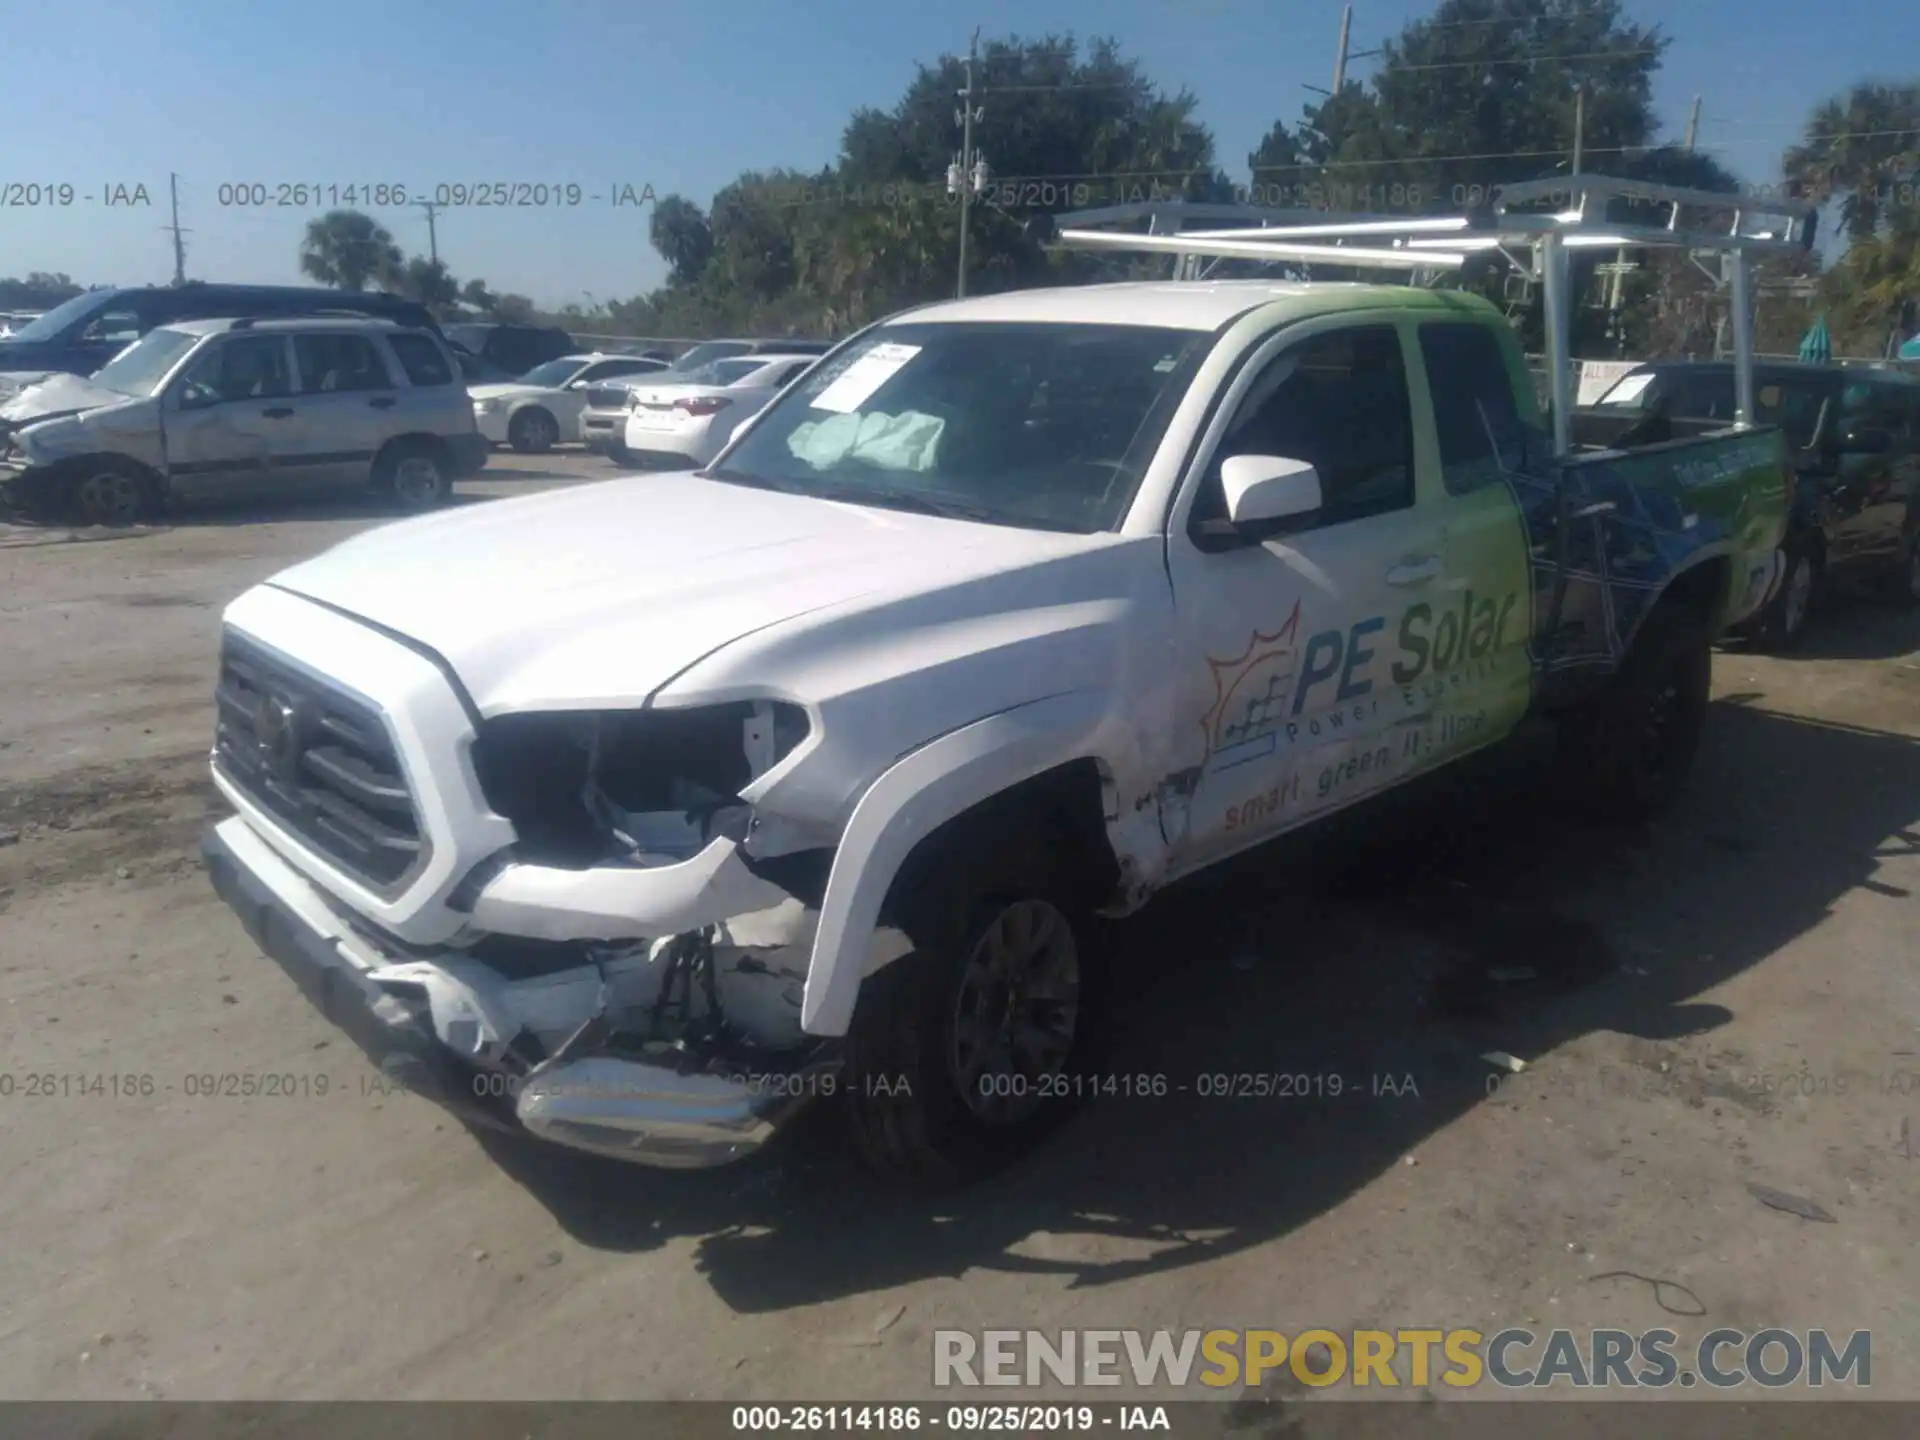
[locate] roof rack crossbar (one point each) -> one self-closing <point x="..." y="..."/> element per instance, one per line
<point x="1732" y="225"/>
<point x="1730" y="222"/>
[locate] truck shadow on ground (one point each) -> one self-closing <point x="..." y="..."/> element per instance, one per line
<point x="1398" y="941"/>
<point x="1857" y="626"/>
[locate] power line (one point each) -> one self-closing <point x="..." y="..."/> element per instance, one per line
<point x="1399" y="69"/>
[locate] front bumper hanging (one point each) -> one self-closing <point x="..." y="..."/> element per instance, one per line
<point x="630" y="1109"/>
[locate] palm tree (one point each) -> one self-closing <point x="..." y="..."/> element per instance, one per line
<point x="1859" y="150"/>
<point x="346" y="248"/>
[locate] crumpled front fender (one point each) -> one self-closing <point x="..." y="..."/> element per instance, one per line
<point x="909" y="802"/>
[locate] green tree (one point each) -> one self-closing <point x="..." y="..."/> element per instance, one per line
<point x="40" y="290"/>
<point x="428" y="282"/>
<point x="679" y="231"/>
<point x="1481" y="94"/>
<point x="349" y="249"/>
<point x="1863" y="151"/>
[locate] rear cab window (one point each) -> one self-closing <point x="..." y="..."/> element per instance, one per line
<point x="1476" y="416"/>
<point x="424" y="362"/>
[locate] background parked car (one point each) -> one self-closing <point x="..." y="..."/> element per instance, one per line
<point x="516" y="349"/>
<point x="684" y="424"/>
<point x="542" y="408"/>
<point x="603" y="423"/>
<point x="211" y="408"/>
<point x="84" y="333"/>
<point x="1854" y="433"/>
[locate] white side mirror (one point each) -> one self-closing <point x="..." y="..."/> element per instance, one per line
<point x="1268" y="487"/>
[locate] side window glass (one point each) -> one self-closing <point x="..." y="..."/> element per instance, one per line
<point x="249" y="367"/>
<point x="1338" y="401"/>
<point x="423" y="360"/>
<point x="331" y="364"/>
<point x="113" y="327"/>
<point x="1475" y="414"/>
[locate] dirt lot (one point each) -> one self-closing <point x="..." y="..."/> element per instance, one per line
<point x="1730" y="999"/>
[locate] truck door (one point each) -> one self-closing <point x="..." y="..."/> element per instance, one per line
<point x="1480" y="436"/>
<point x="1286" y="633"/>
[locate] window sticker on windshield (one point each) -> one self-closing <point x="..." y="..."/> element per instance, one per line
<point x="862" y="378"/>
<point x="1628" y="390"/>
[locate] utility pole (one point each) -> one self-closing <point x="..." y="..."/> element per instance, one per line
<point x="179" y="245"/>
<point x="968" y="174"/>
<point x="1693" y="125"/>
<point x="1340" y="57"/>
<point x="1579" y="124"/>
<point x="433" y="236"/>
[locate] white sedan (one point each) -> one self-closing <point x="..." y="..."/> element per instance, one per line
<point x="542" y="408"/>
<point x="684" y="423"/>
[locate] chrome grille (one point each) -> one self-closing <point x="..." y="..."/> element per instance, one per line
<point x="609" y="397"/>
<point x="318" y="761"/>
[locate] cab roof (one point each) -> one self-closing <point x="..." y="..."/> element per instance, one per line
<point x="1199" y="305"/>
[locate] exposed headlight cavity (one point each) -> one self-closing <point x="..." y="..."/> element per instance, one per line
<point x="636" y="786"/>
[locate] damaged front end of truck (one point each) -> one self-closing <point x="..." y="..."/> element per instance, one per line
<point x="610" y="947"/>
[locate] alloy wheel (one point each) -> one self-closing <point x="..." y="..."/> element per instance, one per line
<point x="1016" y="1012"/>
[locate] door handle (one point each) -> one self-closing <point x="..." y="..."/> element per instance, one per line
<point x="278" y="412"/>
<point x="1415" y="572"/>
<point x="385" y="402"/>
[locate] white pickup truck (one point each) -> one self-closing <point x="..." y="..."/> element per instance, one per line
<point x="640" y="814"/>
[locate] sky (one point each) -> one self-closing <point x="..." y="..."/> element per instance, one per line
<point x="107" y="97"/>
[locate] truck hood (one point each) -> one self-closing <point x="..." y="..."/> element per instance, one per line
<point x="597" y="596"/>
<point x="56" y="396"/>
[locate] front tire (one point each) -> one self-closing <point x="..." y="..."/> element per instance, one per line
<point x="1626" y="754"/>
<point x="533" y="431"/>
<point x="112" y="494"/>
<point x="964" y="1054"/>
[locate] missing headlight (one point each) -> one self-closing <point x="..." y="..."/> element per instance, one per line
<point x="643" y="786"/>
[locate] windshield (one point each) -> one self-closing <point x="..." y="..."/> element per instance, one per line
<point x="139" y="369"/>
<point x="554" y="373"/>
<point x="1037" y="425"/>
<point x="700" y="356"/>
<point x="50" y="325"/>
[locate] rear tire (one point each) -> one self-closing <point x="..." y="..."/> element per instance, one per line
<point x="414" y="477"/>
<point x="1782" y="624"/>
<point x="963" y="1054"/>
<point x="112" y="493"/>
<point x="1627" y="752"/>
<point x="533" y="431"/>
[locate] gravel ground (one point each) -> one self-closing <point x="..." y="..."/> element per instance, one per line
<point x="1730" y="999"/>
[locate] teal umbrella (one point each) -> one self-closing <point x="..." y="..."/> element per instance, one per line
<point x="1816" y="348"/>
<point x="1911" y="350"/>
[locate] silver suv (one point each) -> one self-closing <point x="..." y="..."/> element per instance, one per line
<point x="208" y="409"/>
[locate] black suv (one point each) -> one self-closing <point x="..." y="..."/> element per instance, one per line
<point x="516" y="349"/>
<point x="1854" y="433"/>
<point x="87" y="331"/>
